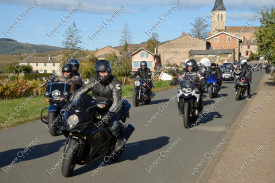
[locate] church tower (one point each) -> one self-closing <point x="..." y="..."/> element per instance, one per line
<point x="218" y="17"/>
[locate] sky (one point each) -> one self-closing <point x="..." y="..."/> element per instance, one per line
<point x="101" y="22"/>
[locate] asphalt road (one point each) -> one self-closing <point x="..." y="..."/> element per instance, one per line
<point x="160" y="149"/>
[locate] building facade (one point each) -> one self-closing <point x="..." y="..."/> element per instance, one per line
<point x="143" y="54"/>
<point x="44" y="64"/>
<point x="177" y="50"/>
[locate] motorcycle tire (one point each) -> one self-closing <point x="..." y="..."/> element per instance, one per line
<point x="69" y="162"/>
<point x="51" y="125"/>
<point x="211" y="92"/>
<point x="135" y="99"/>
<point x="238" y="94"/>
<point x="186" y="114"/>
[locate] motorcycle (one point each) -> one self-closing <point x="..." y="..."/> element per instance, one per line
<point x="188" y="97"/>
<point x="141" y="93"/>
<point x="241" y="87"/>
<point x="212" y="85"/>
<point x="57" y="94"/>
<point x="88" y="137"/>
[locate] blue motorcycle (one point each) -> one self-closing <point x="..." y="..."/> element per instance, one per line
<point x="212" y="85"/>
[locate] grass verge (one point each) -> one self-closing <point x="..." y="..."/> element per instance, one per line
<point x="22" y="110"/>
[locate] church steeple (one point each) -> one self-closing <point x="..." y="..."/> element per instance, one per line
<point x="218" y="15"/>
<point x="219" y="6"/>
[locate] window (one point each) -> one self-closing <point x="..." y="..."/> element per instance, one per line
<point x="221" y="17"/>
<point x="248" y="46"/>
<point x="216" y="39"/>
<point x="246" y="53"/>
<point x="36" y="64"/>
<point x="136" y="64"/>
<point x="228" y="39"/>
<point x="36" y="71"/>
<point x="244" y="38"/>
<point x="141" y="54"/>
<point x="149" y="64"/>
<point x="218" y="17"/>
<point x="146" y="55"/>
<point x="45" y="71"/>
<point x="53" y="72"/>
<point x="53" y="64"/>
<point x="45" y="64"/>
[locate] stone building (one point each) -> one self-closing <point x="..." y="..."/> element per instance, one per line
<point x="217" y="56"/>
<point x="177" y="51"/>
<point x="143" y="54"/>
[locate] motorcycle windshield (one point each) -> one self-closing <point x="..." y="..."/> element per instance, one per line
<point x="212" y="76"/>
<point x="187" y="84"/>
<point x="61" y="87"/>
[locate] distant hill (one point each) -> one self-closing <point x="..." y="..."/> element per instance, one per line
<point x="12" y="47"/>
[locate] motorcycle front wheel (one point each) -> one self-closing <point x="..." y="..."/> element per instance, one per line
<point x="135" y="99"/>
<point x="238" y="94"/>
<point x="186" y="114"/>
<point x="52" y="123"/>
<point x="69" y="161"/>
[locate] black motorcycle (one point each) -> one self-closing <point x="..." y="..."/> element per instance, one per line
<point x="241" y="87"/>
<point x="88" y="137"/>
<point x="141" y="94"/>
<point x="188" y="101"/>
<point x="57" y="94"/>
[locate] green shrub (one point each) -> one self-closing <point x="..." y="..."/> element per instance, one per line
<point x="31" y="76"/>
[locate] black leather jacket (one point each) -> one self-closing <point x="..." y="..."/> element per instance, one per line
<point x="145" y="75"/>
<point x="112" y="91"/>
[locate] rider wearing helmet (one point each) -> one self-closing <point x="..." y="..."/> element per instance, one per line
<point x="215" y="70"/>
<point x="145" y="74"/>
<point x="75" y="63"/>
<point x="247" y="72"/>
<point x="191" y="71"/>
<point x="105" y="85"/>
<point x="67" y="76"/>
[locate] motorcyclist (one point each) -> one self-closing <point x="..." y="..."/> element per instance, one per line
<point x="247" y="72"/>
<point x="191" y="71"/>
<point x="105" y="85"/>
<point x="236" y="73"/>
<point x="214" y="70"/>
<point x="75" y="63"/>
<point x="202" y="69"/>
<point x="67" y="76"/>
<point x="145" y="74"/>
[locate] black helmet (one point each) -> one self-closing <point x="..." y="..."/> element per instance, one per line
<point x="68" y="68"/>
<point x="191" y="63"/>
<point x="143" y="63"/>
<point x="75" y="62"/>
<point x="104" y="66"/>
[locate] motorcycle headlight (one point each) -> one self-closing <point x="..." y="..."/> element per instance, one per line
<point x="56" y="93"/>
<point x="137" y="83"/>
<point x="187" y="90"/>
<point x="73" y="120"/>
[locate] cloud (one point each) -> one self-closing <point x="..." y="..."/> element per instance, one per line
<point x="109" y="6"/>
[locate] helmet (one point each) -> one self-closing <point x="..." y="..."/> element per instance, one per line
<point x="243" y="62"/>
<point x="191" y="63"/>
<point x="143" y="63"/>
<point x="75" y="62"/>
<point x="68" y="68"/>
<point x="104" y="66"/>
<point x="213" y="64"/>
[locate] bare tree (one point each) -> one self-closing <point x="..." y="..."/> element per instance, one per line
<point x="199" y="29"/>
<point x="126" y="37"/>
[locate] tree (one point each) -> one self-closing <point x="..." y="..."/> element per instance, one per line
<point x="20" y="68"/>
<point x="199" y="29"/>
<point x="152" y="43"/>
<point x="265" y="35"/>
<point x="126" y="37"/>
<point x="72" y="44"/>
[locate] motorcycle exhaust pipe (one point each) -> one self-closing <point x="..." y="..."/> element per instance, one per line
<point x="128" y="131"/>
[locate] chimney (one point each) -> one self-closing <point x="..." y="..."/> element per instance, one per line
<point x="183" y="34"/>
